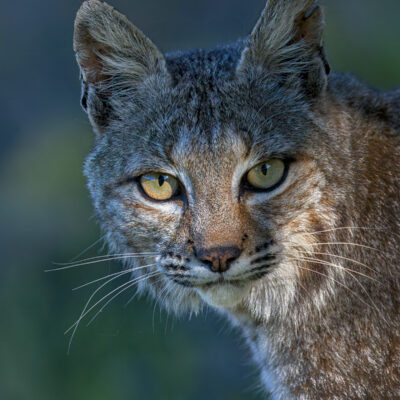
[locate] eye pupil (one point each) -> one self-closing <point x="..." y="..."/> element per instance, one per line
<point x="264" y="169"/>
<point x="161" y="180"/>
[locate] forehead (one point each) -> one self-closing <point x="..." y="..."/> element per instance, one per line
<point x="221" y="148"/>
<point x="227" y="121"/>
<point x="207" y="116"/>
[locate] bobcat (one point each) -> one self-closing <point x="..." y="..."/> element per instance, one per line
<point x="252" y="179"/>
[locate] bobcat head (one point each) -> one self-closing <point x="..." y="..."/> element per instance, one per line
<point x="215" y="172"/>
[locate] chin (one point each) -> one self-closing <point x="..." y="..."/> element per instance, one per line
<point x="223" y="294"/>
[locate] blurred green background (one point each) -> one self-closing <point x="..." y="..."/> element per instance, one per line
<point x="135" y="352"/>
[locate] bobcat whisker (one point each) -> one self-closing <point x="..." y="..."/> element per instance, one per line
<point x="130" y="299"/>
<point x="336" y="229"/>
<point x="328" y="254"/>
<point x="123" y="288"/>
<point x="340" y="257"/>
<point x="98" y="289"/>
<point x="160" y="299"/>
<point x="120" y="273"/>
<point x="105" y="256"/>
<point x="85" y="310"/>
<point x="323" y="262"/>
<point x="88" y="248"/>
<point x="344" y="286"/>
<point x="101" y="260"/>
<point x="162" y="296"/>
<point x="364" y="290"/>
<point x="294" y="245"/>
<point x="75" y="327"/>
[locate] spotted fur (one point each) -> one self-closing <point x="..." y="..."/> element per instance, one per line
<point x="315" y="289"/>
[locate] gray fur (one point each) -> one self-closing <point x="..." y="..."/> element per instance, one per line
<point x="321" y="311"/>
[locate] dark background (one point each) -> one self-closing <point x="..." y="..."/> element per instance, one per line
<point x="135" y="352"/>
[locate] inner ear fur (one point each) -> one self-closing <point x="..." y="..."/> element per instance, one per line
<point x="287" y="41"/>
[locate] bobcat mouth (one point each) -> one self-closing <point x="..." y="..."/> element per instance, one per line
<point x="254" y="274"/>
<point x="229" y="292"/>
<point x="220" y="289"/>
<point x="197" y="276"/>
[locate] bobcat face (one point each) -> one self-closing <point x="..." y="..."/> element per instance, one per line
<point x="206" y="163"/>
<point x="215" y="235"/>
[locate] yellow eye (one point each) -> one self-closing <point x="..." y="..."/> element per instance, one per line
<point x="267" y="174"/>
<point x="159" y="186"/>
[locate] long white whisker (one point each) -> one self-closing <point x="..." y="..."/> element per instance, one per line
<point x="341" y="257"/>
<point x="336" y="229"/>
<point x="349" y="228"/>
<point x="75" y="326"/>
<point x="111" y="258"/>
<point x="156" y="302"/>
<point x="87" y="249"/>
<point x="110" y="275"/>
<point x="334" y="243"/>
<point x="84" y="311"/>
<point x="323" y="262"/>
<point x="373" y="305"/>
<point x="130" y="299"/>
<point x="163" y="296"/>
<point x="105" y="256"/>
<point x="127" y="285"/>
<point x="339" y="283"/>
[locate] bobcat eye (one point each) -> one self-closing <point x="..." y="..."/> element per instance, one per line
<point x="159" y="186"/>
<point x="267" y="175"/>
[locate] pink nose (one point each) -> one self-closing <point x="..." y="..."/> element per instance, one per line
<point x="219" y="259"/>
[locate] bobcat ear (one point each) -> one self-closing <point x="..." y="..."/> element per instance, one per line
<point x="287" y="42"/>
<point x="112" y="54"/>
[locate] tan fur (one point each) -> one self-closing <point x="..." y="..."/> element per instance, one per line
<point x="313" y="278"/>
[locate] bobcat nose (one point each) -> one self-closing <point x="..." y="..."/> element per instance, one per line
<point x="219" y="259"/>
